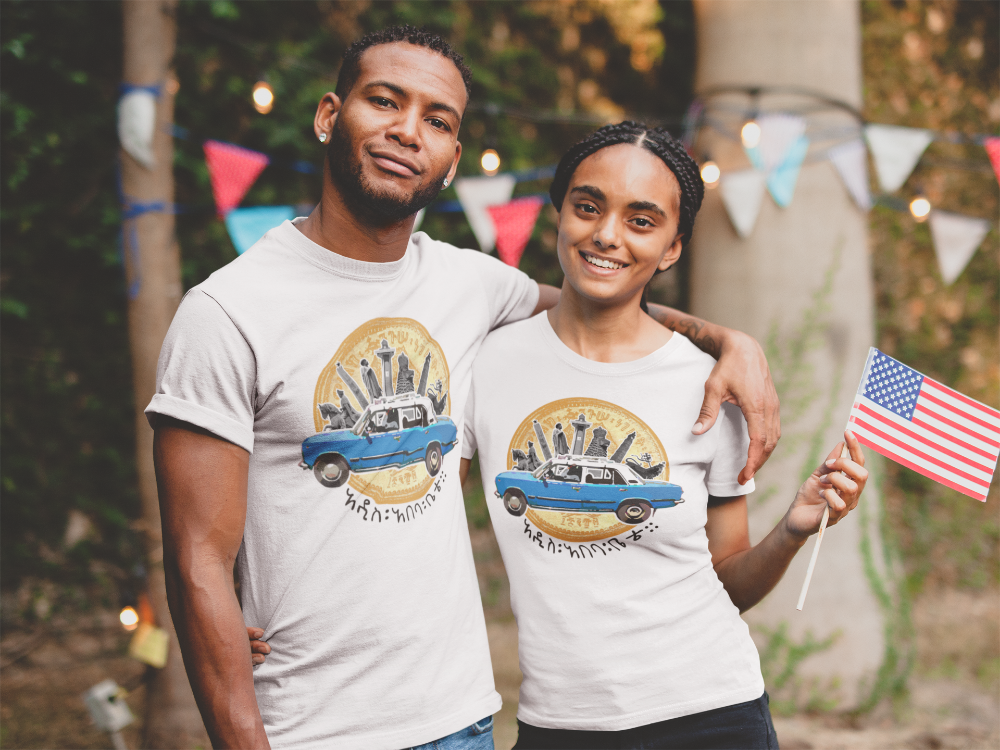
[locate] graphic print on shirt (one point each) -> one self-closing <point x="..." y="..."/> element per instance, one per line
<point x="583" y="470"/>
<point x="381" y="413"/>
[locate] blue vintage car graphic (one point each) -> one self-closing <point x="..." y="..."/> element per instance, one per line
<point x="391" y="432"/>
<point x="584" y="483"/>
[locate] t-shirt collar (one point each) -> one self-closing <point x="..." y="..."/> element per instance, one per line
<point x="570" y="357"/>
<point x="359" y="270"/>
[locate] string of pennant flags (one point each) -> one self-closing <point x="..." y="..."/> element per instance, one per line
<point x="776" y="153"/>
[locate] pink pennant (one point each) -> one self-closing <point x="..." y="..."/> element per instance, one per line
<point x="514" y="223"/>
<point x="233" y="170"/>
<point x="993" y="149"/>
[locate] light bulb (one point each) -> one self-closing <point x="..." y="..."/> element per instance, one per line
<point x="490" y="162"/>
<point x="710" y="173"/>
<point x="920" y="207"/>
<point x="263" y="97"/>
<point x="750" y="134"/>
<point x="129" y="618"/>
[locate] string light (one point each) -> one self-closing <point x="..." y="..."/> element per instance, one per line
<point x="490" y="162"/>
<point x="129" y="618"/>
<point x="750" y="134"/>
<point x="263" y="97"/>
<point x="920" y="207"/>
<point x="710" y="173"/>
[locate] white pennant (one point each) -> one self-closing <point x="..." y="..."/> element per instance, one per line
<point x="851" y="161"/>
<point x="136" y="125"/>
<point x="777" y="133"/>
<point x="896" y="152"/>
<point x="476" y="194"/>
<point x="956" y="239"/>
<point x="742" y="193"/>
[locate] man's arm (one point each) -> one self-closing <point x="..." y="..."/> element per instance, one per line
<point x="202" y="483"/>
<point x="741" y="376"/>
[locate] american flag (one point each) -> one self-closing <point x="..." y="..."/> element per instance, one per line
<point x="926" y="426"/>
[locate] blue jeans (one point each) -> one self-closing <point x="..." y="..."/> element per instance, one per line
<point x="745" y="726"/>
<point x="478" y="736"/>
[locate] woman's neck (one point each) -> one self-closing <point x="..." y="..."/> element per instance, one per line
<point x="605" y="333"/>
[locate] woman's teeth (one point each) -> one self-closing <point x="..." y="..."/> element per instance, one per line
<point x="600" y="263"/>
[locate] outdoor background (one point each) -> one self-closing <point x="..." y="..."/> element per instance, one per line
<point x="545" y="74"/>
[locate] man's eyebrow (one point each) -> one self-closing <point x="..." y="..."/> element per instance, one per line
<point x="394" y="88"/>
<point x="647" y="206"/>
<point x="593" y="192"/>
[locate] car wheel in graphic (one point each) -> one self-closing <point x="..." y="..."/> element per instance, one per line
<point x="514" y="502"/>
<point x="634" y="511"/>
<point x="432" y="459"/>
<point x="331" y="470"/>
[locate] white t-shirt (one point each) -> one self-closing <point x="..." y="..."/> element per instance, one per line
<point x="347" y="382"/>
<point x="622" y="621"/>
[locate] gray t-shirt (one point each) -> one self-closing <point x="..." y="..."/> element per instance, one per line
<point x="347" y="382"/>
<point x="598" y="494"/>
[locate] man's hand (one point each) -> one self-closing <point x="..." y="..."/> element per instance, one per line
<point x="741" y="376"/>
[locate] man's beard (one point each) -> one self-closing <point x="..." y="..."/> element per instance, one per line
<point x="366" y="202"/>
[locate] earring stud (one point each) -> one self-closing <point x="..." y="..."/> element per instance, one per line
<point x="445" y="184"/>
<point x="322" y="137"/>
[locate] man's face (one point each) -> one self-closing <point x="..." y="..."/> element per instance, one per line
<point x="395" y="138"/>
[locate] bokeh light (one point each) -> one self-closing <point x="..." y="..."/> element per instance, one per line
<point x="490" y="162"/>
<point x="710" y="174"/>
<point x="920" y="207"/>
<point x="750" y="134"/>
<point x="263" y="97"/>
<point x="129" y="618"/>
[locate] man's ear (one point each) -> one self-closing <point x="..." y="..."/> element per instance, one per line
<point x="326" y="114"/>
<point x="454" y="164"/>
<point x="673" y="253"/>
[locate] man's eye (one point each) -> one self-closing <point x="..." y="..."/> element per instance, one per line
<point x="438" y="124"/>
<point x="642" y="221"/>
<point x="587" y="208"/>
<point x="381" y="101"/>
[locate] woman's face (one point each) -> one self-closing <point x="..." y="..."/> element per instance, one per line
<point x="618" y="224"/>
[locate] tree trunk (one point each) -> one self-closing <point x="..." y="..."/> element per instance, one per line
<point x="772" y="283"/>
<point x="152" y="266"/>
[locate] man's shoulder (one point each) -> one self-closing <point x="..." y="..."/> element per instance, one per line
<point x="465" y="258"/>
<point x="514" y="338"/>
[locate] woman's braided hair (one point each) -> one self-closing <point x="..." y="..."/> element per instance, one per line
<point x="655" y="140"/>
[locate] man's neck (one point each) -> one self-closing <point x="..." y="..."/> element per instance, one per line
<point x="334" y="226"/>
<point x="605" y="333"/>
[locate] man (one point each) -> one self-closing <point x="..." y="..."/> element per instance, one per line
<point x="352" y="546"/>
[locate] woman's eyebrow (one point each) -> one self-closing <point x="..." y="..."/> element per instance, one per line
<point x="647" y="206"/>
<point x="593" y="192"/>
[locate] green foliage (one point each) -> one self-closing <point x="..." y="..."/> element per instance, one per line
<point x="779" y="662"/>
<point x="67" y="417"/>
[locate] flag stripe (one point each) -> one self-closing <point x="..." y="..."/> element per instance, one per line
<point x="920" y="454"/>
<point x="919" y="469"/>
<point x="925" y="396"/>
<point x="956" y="426"/>
<point x="989" y="411"/>
<point x="955" y="440"/>
<point x="898" y="423"/>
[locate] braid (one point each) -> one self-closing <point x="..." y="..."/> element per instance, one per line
<point x="655" y="140"/>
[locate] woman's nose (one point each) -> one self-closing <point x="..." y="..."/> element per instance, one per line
<point x="606" y="235"/>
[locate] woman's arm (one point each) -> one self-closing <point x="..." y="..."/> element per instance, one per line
<point x="748" y="573"/>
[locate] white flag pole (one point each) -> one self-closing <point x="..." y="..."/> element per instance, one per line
<point x="844" y="453"/>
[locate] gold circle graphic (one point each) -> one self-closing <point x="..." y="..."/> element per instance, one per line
<point x="585" y="527"/>
<point x="403" y="336"/>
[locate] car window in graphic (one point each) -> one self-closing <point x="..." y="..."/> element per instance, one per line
<point x="616" y="477"/>
<point x="573" y="473"/>
<point x="413" y="416"/>
<point x="597" y="476"/>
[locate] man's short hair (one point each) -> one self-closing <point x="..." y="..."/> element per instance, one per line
<point x="351" y="67"/>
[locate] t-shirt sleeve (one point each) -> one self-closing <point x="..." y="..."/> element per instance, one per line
<point x="510" y="293"/>
<point x="206" y="373"/>
<point x="469" y="445"/>
<point x="730" y="455"/>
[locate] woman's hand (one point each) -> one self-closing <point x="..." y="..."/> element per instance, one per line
<point x="838" y="482"/>
<point x="258" y="648"/>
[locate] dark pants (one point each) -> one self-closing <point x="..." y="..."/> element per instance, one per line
<point x="745" y="726"/>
